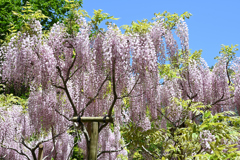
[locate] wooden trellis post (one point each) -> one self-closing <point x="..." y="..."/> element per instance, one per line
<point x="94" y="132"/>
<point x="40" y="152"/>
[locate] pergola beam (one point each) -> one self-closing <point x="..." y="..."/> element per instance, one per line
<point x="93" y="119"/>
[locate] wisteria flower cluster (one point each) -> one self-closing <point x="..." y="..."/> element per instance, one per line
<point x="206" y="138"/>
<point x="111" y="74"/>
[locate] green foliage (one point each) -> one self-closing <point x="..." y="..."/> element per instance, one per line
<point x="54" y="9"/>
<point x="179" y="63"/>
<point x="228" y="52"/>
<point x="6" y="17"/>
<point x="143" y="26"/>
<point x="28" y="15"/>
<point x="171" y="19"/>
<point x="182" y="60"/>
<point x="73" y="15"/>
<point x="166" y="70"/>
<point x="9" y="9"/>
<point x="187" y="136"/>
<point x="98" y="17"/>
<point x="96" y="20"/>
<point x="137" y="155"/>
<point x="140" y="27"/>
<point x="77" y="152"/>
<point x="8" y="100"/>
<point x="122" y="157"/>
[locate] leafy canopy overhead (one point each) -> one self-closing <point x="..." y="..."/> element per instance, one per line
<point x="9" y="9"/>
<point x="168" y="19"/>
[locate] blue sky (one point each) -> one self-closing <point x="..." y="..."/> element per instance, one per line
<point x="213" y="22"/>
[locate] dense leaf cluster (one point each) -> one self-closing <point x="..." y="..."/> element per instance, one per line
<point x="9" y="9"/>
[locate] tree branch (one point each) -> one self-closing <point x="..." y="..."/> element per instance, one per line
<point x="92" y="99"/>
<point x="37" y="145"/>
<point x="219" y="100"/>
<point x="60" y="87"/>
<point x="65" y="88"/>
<point x="191" y="97"/>
<point x="102" y="152"/>
<point x="102" y="126"/>
<point x="166" y="117"/>
<point x="71" y="150"/>
<point x="60" y="74"/>
<point x="62" y="115"/>
<point x="114" y="89"/>
<point x="75" y="72"/>
<point x="229" y="81"/>
<point x="49" y="153"/>
<point x="130" y="90"/>
<point x="69" y="69"/>
<point x="189" y="82"/>
<point x="214" y="103"/>
<point x="148" y="152"/>
<point x="23" y="142"/>
<point x="21" y="153"/>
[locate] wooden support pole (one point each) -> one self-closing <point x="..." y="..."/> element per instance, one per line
<point x="93" y="119"/>
<point x="94" y="142"/>
<point x="93" y="132"/>
<point x="40" y="152"/>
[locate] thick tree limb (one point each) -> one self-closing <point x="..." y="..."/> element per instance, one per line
<point x="60" y="74"/>
<point x="60" y="87"/>
<point x="114" y="89"/>
<point x="65" y="88"/>
<point x="102" y="126"/>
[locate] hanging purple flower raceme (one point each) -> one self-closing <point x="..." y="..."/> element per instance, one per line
<point x="157" y="34"/>
<point x="182" y="32"/>
<point x="19" y="61"/>
<point x="171" y="44"/>
<point x="219" y="85"/>
<point x="236" y="80"/>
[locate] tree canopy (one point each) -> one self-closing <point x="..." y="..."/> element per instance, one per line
<point x="54" y="10"/>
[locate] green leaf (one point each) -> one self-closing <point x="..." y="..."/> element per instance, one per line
<point x="2" y="118"/>
<point x="207" y="114"/>
<point x="232" y="149"/>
